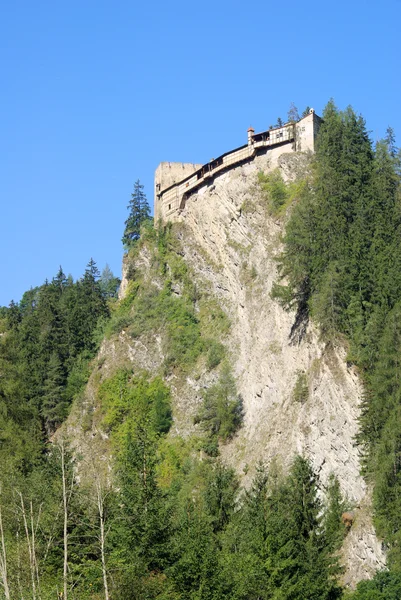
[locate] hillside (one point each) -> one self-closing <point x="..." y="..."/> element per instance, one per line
<point x="232" y="427"/>
<point x="228" y="242"/>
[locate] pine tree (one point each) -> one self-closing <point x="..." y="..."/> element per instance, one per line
<point x="86" y="306"/>
<point x="220" y="494"/>
<point x="53" y="404"/>
<point x="298" y="556"/>
<point x="335" y="506"/>
<point x="139" y="212"/>
<point x="109" y="284"/>
<point x="293" y="114"/>
<point x="145" y="523"/>
<point x="384" y="586"/>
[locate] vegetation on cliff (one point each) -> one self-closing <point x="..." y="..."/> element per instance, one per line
<point x="163" y="517"/>
<point x="170" y="521"/>
<point x="47" y="340"/>
<point x="342" y="266"/>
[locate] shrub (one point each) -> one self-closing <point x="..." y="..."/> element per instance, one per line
<point x="275" y="189"/>
<point x="215" y="354"/>
<point x="127" y="400"/>
<point x="301" y="388"/>
<point x="221" y="414"/>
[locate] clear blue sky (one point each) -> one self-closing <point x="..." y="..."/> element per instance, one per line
<point x="95" y="94"/>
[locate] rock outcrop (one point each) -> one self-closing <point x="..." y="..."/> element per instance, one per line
<point x="299" y="394"/>
<point x="232" y="242"/>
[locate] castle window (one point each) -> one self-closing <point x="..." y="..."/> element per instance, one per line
<point x="169" y="206"/>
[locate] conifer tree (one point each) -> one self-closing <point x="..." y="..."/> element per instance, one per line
<point x="298" y="557"/>
<point x="244" y="557"/>
<point x="109" y="284"/>
<point x="53" y="405"/>
<point x="335" y="506"/>
<point x="293" y="114"/>
<point x="139" y="212"/>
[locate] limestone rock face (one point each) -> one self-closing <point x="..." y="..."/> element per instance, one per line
<point x="231" y="242"/>
<point x="299" y="395"/>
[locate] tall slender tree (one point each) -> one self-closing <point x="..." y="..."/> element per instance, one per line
<point x="139" y="212"/>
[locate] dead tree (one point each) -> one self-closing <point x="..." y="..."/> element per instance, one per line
<point x="31" y="529"/>
<point x="67" y="487"/>
<point x="3" y="560"/>
<point x="100" y="498"/>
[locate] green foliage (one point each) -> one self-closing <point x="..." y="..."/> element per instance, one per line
<point x="275" y="189"/>
<point x="384" y="586"/>
<point x="342" y="265"/>
<point x="221" y="413"/>
<point x="335" y="506"/>
<point x="127" y="401"/>
<point x="47" y="343"/>
<point x="168" y="303"/>
<point x="327" y="305"/>
<point x="215" y="354"/>
<point x="109" y="284"/>
<point x="214" y="321"/>
<point x="298" y="553"/>
<point x="278" y="194"/>
<point x="139" y="213"/>
<point x="276" y="547"/>
<point x="175" y="527"/>
<point x="301" y="388"/>
<point x="53" y="405"/>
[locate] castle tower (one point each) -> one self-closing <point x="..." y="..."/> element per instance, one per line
<point x="166" y="175"/>
<point x="306" y="130"/>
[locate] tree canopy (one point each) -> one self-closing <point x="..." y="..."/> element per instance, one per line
<point x="139" y="213"/>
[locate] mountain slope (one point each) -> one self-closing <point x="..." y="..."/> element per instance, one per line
<point x="299" y="395"/>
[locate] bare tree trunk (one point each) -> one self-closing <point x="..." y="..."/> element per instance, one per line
<point x="28" y="540"/>
<point x="3" y="560"/>
<point x="65" y="508"/>
<point x="100" y="506"/>
<point x="34" y="529"/>
<point x="19" y="562"/>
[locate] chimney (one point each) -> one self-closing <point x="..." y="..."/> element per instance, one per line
<point x="251" y="131"/>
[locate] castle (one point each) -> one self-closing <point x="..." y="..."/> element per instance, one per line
<point x="176" y="182"/>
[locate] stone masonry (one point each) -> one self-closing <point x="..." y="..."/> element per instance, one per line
<point x="176" y="182"/>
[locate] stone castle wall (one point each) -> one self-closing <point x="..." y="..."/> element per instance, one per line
<point x="176" y="182"/>
<point x="168" y="174"/>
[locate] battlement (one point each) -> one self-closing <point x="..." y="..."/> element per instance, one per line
<point x="176" y="182"/>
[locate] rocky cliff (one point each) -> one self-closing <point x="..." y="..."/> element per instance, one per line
<point x="299" y="394"/>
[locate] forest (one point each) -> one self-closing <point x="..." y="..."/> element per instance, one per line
<point x="172" y="522"/>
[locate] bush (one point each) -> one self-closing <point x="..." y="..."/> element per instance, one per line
<point x="127" y="400"/>
<point x="215" y="354"/>
<point x="301" y="388"/>
<point x="221" y="414"/>
<point x="386" y="585"/>
<point x="275" y="189"/>
<point x="147" y="308"/>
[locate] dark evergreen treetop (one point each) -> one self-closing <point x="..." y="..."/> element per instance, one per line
<point x="293" y="114"/>
<point x="139" y="212"/>
<point x="342" y="261"/>
<point x="47" y="338"/>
